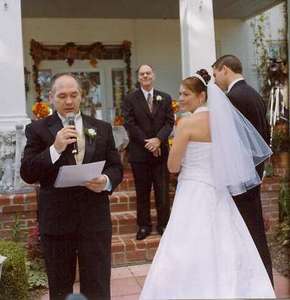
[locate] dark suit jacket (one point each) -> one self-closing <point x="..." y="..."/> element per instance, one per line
<point x="141" y="124"/>
<point x="250" y="103"/>
<point x="65" y="210"/>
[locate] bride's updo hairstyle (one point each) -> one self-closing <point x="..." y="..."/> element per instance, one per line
<point x="195" y="84"/>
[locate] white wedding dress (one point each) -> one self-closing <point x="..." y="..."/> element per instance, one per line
<point x="206" y="251"/>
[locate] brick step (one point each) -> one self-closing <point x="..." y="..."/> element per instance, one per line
<point x="271" y="184"/>
<point x="124" y="201"/>
<point x="127" y="250"/>
<point x="125" y="222"/>
<point x="128" y="184"/>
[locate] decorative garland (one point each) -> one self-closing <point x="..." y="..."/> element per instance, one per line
<point x="70" y="52"/>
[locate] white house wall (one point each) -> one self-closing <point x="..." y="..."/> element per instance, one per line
<point x="232" y="36"/>
<point x="154" y="41"/>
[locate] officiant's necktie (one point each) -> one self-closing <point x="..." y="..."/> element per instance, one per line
<point x="150" y="101"/>
<point x="81" y="148"/>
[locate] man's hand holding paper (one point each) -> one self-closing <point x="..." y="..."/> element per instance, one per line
<point x="98" y="184"/>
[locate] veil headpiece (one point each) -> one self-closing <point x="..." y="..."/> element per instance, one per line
<point x="200" y="78"/>
<point x="237" y="147"/>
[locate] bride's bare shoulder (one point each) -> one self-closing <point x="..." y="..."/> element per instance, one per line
<point x="198" y="118"/>
<point x="197" y="126"/>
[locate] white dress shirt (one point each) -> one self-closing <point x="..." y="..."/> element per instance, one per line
<point x="54" y="155"/>
<point x="147" y="92"/>
<point x="233" y="83"/>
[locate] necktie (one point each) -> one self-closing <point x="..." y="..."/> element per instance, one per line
<point x="81" y="148"/>
<point x="150" y="101"/>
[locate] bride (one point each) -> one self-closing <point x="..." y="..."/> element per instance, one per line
<point x="207" y="251"/>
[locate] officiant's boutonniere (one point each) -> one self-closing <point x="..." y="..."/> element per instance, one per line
<point x="158" y="98"/>
<point x="90" y="133"/>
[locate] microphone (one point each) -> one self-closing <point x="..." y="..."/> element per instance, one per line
<point x="71" y="121"/>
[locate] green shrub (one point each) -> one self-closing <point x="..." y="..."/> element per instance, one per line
<point x="13" y="282"/>
<point x="37" y="278"/>
<point x="280" y="141"/>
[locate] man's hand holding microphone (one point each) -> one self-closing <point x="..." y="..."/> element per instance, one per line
<point x="68" y="135"/>
<point x="64" y="137"/>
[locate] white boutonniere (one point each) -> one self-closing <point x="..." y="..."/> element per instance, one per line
<point x="90" y="133"/>
<point x="158" y="98"/>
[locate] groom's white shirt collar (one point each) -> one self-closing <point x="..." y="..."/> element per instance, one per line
<point x="233" y="83"/>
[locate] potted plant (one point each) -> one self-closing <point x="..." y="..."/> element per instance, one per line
<point x="281" y="146"/>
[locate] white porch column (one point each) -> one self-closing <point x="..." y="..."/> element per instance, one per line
<point x="12" y="92"/>
<point x="197" y="35"/>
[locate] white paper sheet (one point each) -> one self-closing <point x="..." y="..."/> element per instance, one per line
<point x="77" y="175"/>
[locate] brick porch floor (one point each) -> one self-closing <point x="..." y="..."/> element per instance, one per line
<point x="127" y="282"/>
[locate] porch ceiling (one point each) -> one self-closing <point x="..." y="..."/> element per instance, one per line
<point x="137" y="9"/>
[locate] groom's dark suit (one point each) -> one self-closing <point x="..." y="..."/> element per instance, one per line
<point x="142" y="124"/>
<point x="252" y="106"/>
<point x="73" y="220"/>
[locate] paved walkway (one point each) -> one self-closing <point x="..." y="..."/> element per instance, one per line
<point x="127" y="283"/>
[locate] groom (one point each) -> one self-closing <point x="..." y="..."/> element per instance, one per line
<point x="227" y="71"/>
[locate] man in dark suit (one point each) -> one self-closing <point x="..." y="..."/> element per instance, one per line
<point x="74" y="222"/>
<point x="149" y="121"/>
<point x="227" y="71"/>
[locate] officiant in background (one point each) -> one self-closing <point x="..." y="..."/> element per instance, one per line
<point x="75" y="222"/>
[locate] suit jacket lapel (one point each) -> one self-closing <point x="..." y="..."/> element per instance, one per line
<point x="54" y="125"/>
<point x="90" y="143"/>
<point x="156" y="104"/>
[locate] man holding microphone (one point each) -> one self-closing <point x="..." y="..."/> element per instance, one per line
<point x="74" y="222"/>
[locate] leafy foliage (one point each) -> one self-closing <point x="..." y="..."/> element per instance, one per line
<point x="16" y="229"/>
<point x="280" y="141"/>
<point x="261" y="49"/>
<point x="37" y="277"/>
<point x="13" y="283"/>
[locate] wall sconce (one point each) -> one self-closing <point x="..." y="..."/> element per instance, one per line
<point x="200" y="4"/>
<point x="4" y="5"/>
<point x="26" y="79"/>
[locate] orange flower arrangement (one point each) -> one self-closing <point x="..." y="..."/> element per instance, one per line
<point x="41" y="109"/>
<point x="175" y="106"/>
<point x="119" y="120"/>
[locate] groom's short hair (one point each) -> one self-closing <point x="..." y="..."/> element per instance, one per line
<point x="230" y="61"/>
